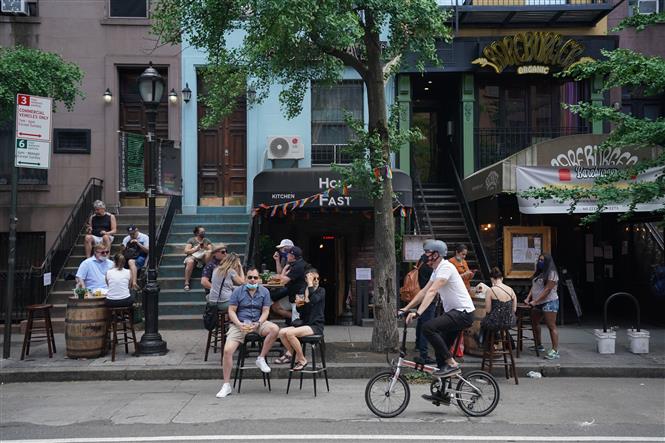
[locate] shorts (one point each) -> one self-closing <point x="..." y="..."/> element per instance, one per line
<point x="238" y="335"/>
<point x="98" y="240"/>
<point x="549" y="306"/>
<point x="139" y="261"/>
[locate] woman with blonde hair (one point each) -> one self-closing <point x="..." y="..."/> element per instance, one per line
<point x="229" y="273"/>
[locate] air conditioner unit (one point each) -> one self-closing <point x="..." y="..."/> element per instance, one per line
<point x="285" y="147"/>
<point x="647" y="6"/>
<point x="16" y="7"/>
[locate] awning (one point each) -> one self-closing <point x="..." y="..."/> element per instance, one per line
<point x="279" y="186"/>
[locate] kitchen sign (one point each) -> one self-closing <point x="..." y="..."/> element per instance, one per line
<point x="532" y="53"/>
<point x="33" y="131"/>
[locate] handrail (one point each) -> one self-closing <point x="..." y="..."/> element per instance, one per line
<point x="419" y="185"/>
<point x="471" y="224"/>
<point x="66" y="240"/>
<point x="172" y="205"/>
<point x="656" y="234"/>
<point x="250" y="242"/>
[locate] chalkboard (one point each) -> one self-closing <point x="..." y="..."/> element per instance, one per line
<point x="573" y="295"/>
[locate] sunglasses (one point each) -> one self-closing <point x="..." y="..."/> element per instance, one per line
<point x="221" y="251"/>
<point x="103" y="252"/>
<point x="252" y="277"/>
<point x="315" y="278"/>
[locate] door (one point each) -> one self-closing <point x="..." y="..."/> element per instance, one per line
<point x="222" y="158"/>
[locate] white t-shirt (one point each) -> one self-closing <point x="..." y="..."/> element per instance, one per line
<point x="118" y="283"/>
<point x="453" y="294"/>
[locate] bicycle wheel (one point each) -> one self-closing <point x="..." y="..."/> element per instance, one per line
<point x="384" y="402"/>
<point x="479" y="396"/>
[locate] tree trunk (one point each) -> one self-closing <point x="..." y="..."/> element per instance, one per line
<point x="385" y="333"/>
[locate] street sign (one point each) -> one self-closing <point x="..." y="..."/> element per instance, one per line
<point x="32" y="154"/>
<point x="33" y="131"/>
<point x="33" y="117"/>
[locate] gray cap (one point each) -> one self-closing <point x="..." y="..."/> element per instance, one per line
<point x="436" y="246"/>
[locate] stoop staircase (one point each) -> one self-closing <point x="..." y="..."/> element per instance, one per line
<point x="183" y="310"/>
<point x="63" y="288"/>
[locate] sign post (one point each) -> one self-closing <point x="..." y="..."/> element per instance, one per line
<point x="32" y="149"/>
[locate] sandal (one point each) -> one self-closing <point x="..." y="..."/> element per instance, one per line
<point x="187" y="287"/>
<point x="284" y="359"/>
<point x="300" y="365"/>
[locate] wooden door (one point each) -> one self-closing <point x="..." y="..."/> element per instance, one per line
<point x="222" y="158"/>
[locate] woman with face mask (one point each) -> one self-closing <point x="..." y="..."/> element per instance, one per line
<point x="459" y="260"/>
<point x="544" y="299"/>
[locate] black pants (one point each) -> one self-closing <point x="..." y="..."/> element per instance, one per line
<point x="122" y="303"/>
<point x="443" y="329"/>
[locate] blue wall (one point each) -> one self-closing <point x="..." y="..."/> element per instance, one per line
<point x="263" y="120"/>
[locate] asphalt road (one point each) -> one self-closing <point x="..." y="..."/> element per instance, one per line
<point x="547" y="409"/>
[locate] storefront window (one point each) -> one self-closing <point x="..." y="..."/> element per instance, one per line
<point x="330" y="105"/>
<point x="515" y="112"/>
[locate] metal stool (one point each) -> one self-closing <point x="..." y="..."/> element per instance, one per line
<point x="315" y="342"/>
<point x="123" y="317"/>
<point x="44" y="330"/>
<point x="253" y="343"/>
<point x="491" y="355"/>
<point x="217" y="337"/>
<point x="524" y="323"/>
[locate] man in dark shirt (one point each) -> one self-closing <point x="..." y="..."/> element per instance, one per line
<point x="218" y="254"/>
<point x="294" y="283"/>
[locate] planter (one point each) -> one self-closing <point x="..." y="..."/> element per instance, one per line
<point x="86" y="321"/>
<point x="606" y="341"/>
<point x="639" y="341"/>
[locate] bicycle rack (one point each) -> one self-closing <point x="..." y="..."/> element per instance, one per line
<point x="621" y="294"/>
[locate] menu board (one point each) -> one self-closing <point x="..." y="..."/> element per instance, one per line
<point x="522" y="245"/>
<point x="412" y="247"/>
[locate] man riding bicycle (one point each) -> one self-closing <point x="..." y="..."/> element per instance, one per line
<point x="457" y="306"/>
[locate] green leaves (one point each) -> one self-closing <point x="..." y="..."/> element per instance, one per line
<point x="36" y="72"/>
<point x="639" y="21"/>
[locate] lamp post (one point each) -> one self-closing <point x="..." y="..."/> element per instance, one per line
<point x="151" y="88"/>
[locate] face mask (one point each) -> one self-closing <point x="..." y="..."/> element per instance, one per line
<point x="252" y="285"/>
<point x="540" y="265"/>
<point x="459" y="258"/>
<point x="283" y="255"/>
<point x="423" y="258"/>
<point x="202" y="234"/>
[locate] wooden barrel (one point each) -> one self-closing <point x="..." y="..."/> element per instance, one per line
<point x="85" y="327"/>
<point x="471" y="345"/>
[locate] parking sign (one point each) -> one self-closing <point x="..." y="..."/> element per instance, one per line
<point x="33" y="131"/>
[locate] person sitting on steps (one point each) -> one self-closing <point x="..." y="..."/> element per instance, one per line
<point x="100" y="228"/>
<point x="197" y="250"/>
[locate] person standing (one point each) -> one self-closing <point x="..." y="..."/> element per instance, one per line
<point x="100" y="228"/>
<point x="197" y="251"/>
<point x="544" y="299"/>
<point x="136" y="246"/>
<point x="462" y="266"/>
<point x="424" y="274"/>
<point x="118" y="280"/>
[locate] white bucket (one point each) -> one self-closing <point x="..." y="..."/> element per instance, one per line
<point x="605" y="340"/>
<point x="639" y="341"/>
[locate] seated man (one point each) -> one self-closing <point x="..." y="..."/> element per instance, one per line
<point x="219" y="252"/>
<point x="280" y="254"/>
<point x="100" y="229"/>
<point x="313" y="316"/>
<point x="457" y="306"/>
<point x="92" y="271"/>
<point x="136" y="246"/>
<point x="294" y="283"/>
<point x="197" y="251"/>
<point x="249" y="307"/>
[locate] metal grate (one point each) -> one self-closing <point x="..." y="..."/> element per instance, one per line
<point x="327" y="154"/>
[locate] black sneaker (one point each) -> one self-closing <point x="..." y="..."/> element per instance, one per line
<point x="446" y="371"/>
<point x="424" y="360"/>
<point x="445" y="398"/>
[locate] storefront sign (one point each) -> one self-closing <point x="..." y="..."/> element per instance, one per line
<point x="532" y="53"/>
<point x="579" y="176"/>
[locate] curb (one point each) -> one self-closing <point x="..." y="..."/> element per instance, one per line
<point x="335" y="371"/>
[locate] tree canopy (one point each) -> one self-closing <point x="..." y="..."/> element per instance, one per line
<point x="31" y="71"/>
<point x="641" y="75"/>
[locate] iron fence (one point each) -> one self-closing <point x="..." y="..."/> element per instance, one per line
<point x="494" y="145"/>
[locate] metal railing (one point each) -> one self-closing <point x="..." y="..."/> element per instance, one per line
<point x="326" y="154"/>
<point x="173" y="204"/>
<point x="423" y="201"/>
<point x="496" y="144"/>
<point x="656" y="234"/>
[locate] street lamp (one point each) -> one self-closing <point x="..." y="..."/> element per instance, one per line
<point x="151" y="88"/>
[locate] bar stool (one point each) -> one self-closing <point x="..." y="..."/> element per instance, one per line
<point x="501" y="338"/>
<point x="217" y="337"/>
<point x="524" y="323"/>
<point x="316" y="342"/>
<point x="252" y="344"/>
<point x="121" y="318"/>
<point x="44" y="330"/>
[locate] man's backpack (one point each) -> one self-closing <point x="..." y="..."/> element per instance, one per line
<point x="410" y="288"/>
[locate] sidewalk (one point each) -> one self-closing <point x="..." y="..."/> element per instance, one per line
<point x="347" y="356"/>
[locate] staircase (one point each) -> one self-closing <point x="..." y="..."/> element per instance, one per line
<point x="446" y="217"/>
<point x="183" y="310"/>
<point x="62" y="288"/>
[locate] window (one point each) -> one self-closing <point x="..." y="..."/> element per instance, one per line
<point x="128" y="8"/>
<point x="647" y="6"/>
<point x="25" y="176"/>
<point x="330" y="105"/>
<point x="71" y="141"/>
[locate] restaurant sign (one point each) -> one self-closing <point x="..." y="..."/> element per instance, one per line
<point x="532" y="53"/>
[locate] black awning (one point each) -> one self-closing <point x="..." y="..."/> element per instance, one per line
<point x="279" y="186"/>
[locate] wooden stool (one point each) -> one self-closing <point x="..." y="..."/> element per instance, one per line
<point x="524" y="323"/>
<point x="252" y="344"/>
<point x="491" y="355"/>
<point x="218" y="335"/>
<point x="44" y="331"/>
<point x="315" y="342"/>
<point x="122" y="317"/>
